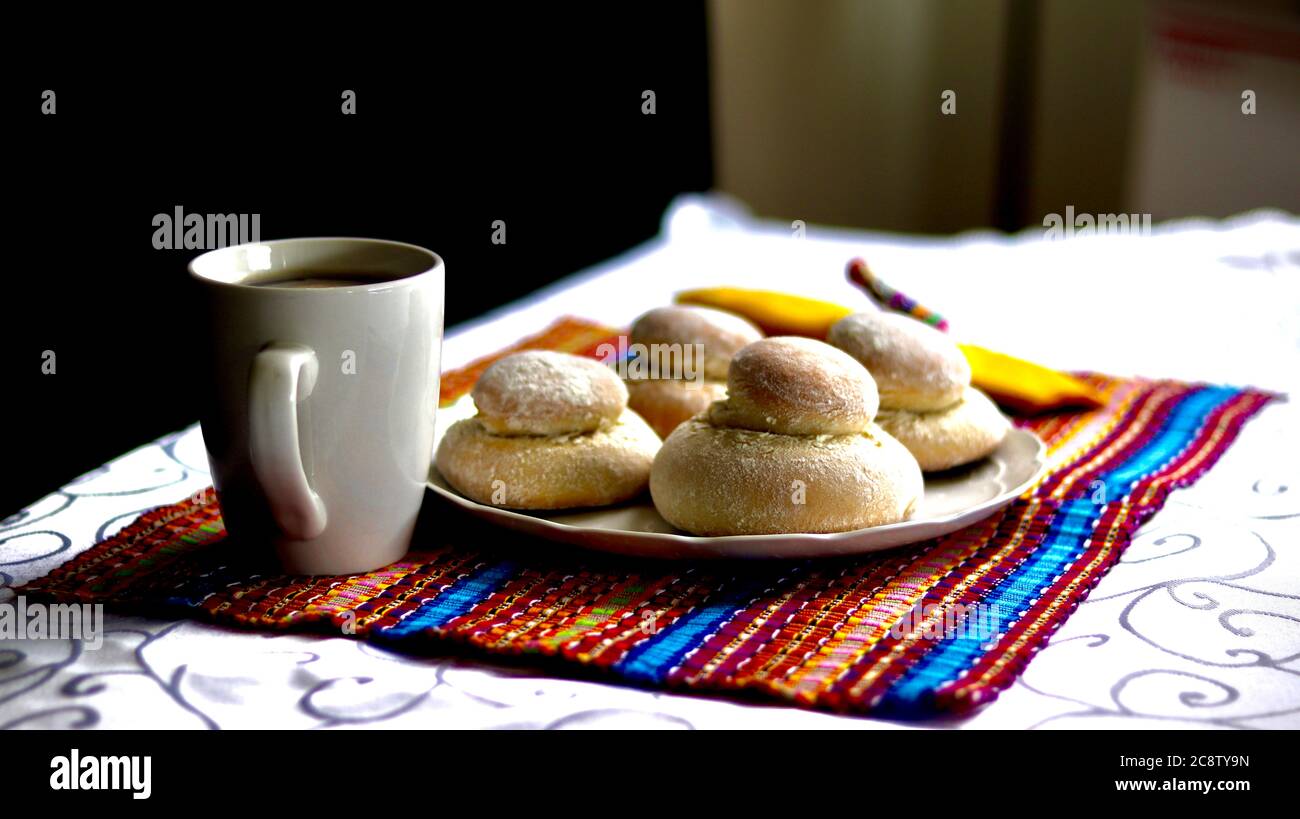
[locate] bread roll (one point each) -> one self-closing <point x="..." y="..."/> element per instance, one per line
<point x="712" y="480"/>
<point x="791" y="449"/>
<point x="915" y="366"/>
<point x="540" y="392"/>
<point x="666" y="403"/>
<point x="595" y="468"/>
<point x="552" y="432"/>
<point x="796" y="386"/>
<point x="926" y="400"/>
<point x="968" y="430"/>
<point x="722" y="334"/>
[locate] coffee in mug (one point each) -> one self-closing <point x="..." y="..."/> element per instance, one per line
<point x="310" y="280"/>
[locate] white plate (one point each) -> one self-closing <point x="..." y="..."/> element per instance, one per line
<point x="953" y="500"/>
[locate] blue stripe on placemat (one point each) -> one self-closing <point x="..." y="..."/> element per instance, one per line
<point x="651" y="659"/>
<point x="453" y="601"/>
<point x="1179" y="430"/>
<point x="1063" y="543"/>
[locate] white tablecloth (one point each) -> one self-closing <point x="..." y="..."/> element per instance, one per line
<point x="1198" y="625"/>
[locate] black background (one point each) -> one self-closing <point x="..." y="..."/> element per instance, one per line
<point x="397" y="773"/>
<point x="463" y="117"/>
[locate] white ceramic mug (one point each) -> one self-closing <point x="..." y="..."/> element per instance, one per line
<point x="319" y="395"/>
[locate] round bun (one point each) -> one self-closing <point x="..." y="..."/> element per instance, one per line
<point x="665" y="404"/>
<point x="595" y="468"/>
<point x="540" y="392"/>
<point x="721" y="333"/>
<point x="967" y="431"/>
<point x="712" y="480"/>
<point x="915" y="366"/>
<point x="796" y="386"/>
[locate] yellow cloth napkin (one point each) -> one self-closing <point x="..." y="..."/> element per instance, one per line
<point x="1016" y="384"/>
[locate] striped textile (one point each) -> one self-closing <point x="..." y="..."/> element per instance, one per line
<point x="940" y="626"/>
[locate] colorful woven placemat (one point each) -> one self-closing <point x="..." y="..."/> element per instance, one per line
<point x="889" y="633"/>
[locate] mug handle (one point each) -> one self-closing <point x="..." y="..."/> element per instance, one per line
<point x="283" y="375"/>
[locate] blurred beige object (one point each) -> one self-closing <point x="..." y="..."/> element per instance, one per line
<point x="1196" y="150"/>
<point x="817" y="104"/>
<point x="830" y="112"/>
